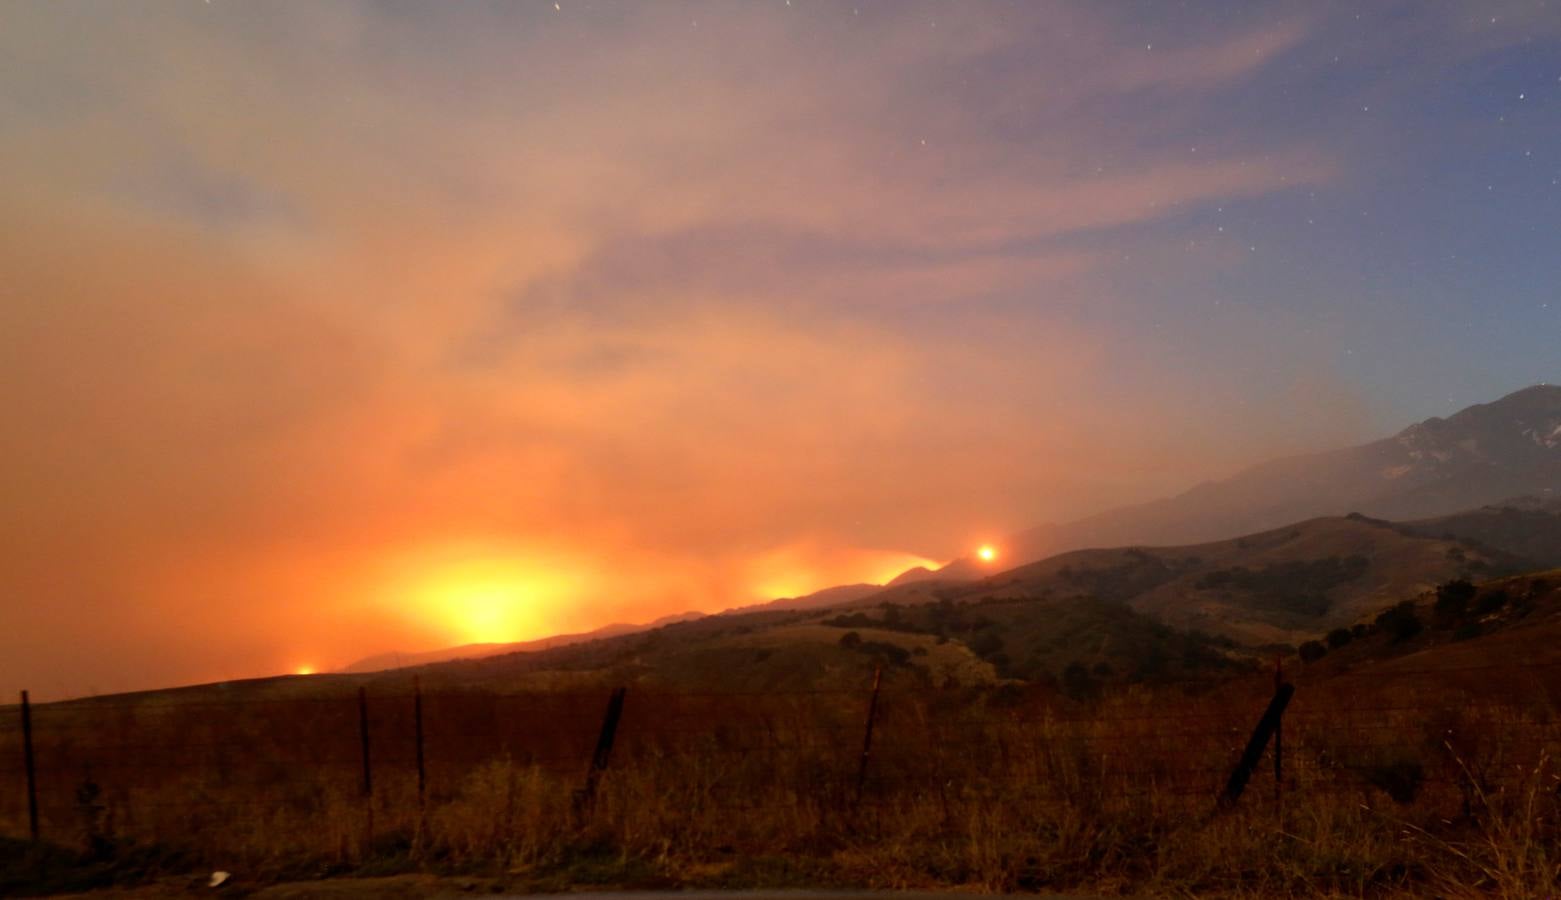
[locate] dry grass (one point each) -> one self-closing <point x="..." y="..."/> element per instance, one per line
<point x="1385" y="791"/>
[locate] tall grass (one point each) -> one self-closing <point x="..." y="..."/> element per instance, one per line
<point x="1385" y="788"/>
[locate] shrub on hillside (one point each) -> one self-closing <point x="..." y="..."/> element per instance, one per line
<point x="1339" y="637"/>
<point x="1491" y="601"/>
<point x="986" y="644"/>
<point x="1312" y="651"/>
<point x="1452" y="599"/>
<point x="1300" y="586"/>
<point x="1400" y="621"/>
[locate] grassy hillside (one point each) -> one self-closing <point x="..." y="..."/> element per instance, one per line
<point x="1077" y="643"/>
<point x="1457" y="627"/>
<point x="1528" y="528"/>
<point x="1277" y="587"/>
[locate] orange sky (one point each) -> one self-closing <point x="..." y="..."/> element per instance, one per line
<point x="336" y="329"/>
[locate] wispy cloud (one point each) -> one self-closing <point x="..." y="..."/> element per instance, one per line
<point x="294" y="290"/>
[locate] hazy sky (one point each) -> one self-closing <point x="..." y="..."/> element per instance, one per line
<point x="328" y="329"/>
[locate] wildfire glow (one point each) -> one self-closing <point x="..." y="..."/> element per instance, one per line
<point x="800" y="569"/>
<point x="987" y="553"/>
<point x="304" y="670"/>
<point x="488" y="595"/>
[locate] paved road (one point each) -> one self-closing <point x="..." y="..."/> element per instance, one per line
<point x="415" y="887"/>
<point x="428" y="887"/>
<point x="801" y="895"/>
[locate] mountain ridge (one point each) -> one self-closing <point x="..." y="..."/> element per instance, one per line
<point x="1480" y="455"/>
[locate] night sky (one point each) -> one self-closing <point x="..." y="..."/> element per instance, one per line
<point x="332" y="329"/>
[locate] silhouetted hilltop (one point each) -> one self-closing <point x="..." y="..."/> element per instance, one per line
<point x="1481" y="455"/>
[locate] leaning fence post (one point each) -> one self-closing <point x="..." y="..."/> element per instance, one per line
<point x="604" y="741"/>
<point x="1279" y="745"/>
<point x="32" y="775"/>
<point x="867" y="737"/>
<point x="1254" y="751"/>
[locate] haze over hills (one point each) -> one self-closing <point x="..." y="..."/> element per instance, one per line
<point x="398" y="660"/>
<point x="1453" y="479"/>
<point x="824" y="599"/>
<point x="1481" y="455"/>
<point x="1132" y="611"/>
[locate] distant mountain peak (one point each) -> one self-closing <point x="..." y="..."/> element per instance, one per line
<point x="1479" y="455"/>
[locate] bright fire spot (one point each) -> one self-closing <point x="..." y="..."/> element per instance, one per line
<point x="485" y="595"/>
<point x="305" y="670"/>
<point x="987" y="553"/>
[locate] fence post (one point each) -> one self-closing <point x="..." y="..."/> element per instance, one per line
<point x="867" y="737"/>
<point x="1279" y="745"/>
<point x="32" y="775"/>
<point x="368" y="772"/>
<point x="604" y="741"/>
<point x="417" y="730"/>
<point x="1254" y="751"/>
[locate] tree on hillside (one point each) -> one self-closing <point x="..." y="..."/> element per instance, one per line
<point x="1452" y="599"/>
<point x="1400" y="621"/>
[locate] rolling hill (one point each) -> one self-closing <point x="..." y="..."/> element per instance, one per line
<point x="1129" y="613"/>
<point x="1279" y="586"/>
<point x="1529" y="527"/>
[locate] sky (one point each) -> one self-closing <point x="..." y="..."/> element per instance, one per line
<point x="333" y="329"/>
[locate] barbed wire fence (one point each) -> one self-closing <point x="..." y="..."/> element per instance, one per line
<point x="366" y="766"/>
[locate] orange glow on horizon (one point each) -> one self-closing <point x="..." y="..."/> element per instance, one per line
<point x="478" y="594"/>
<point x="304" y="670"/>
<point x="988" y="553"/>
<point x="799" y="571"/>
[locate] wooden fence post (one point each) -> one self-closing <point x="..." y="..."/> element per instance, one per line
<point x="604" y="741"/>
<point x="32" y="775"/>
<point x="1266" y="727"/>
<point x="867" y="737"/>
<point x="368" y="772"/>
<point x="417" y="731"/>
<point x="1279" y="745"/>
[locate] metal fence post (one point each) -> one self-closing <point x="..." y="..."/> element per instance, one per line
<point x="417" y="728"/>
<point x="363" y="735"/>
<point x="368" y="772"/>
<point x="867" y="737"/>
<point x="32" y="775"/>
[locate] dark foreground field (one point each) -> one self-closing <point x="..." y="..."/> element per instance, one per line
<point x="1415" y="760"/>
<point x="1439" y="781"/>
